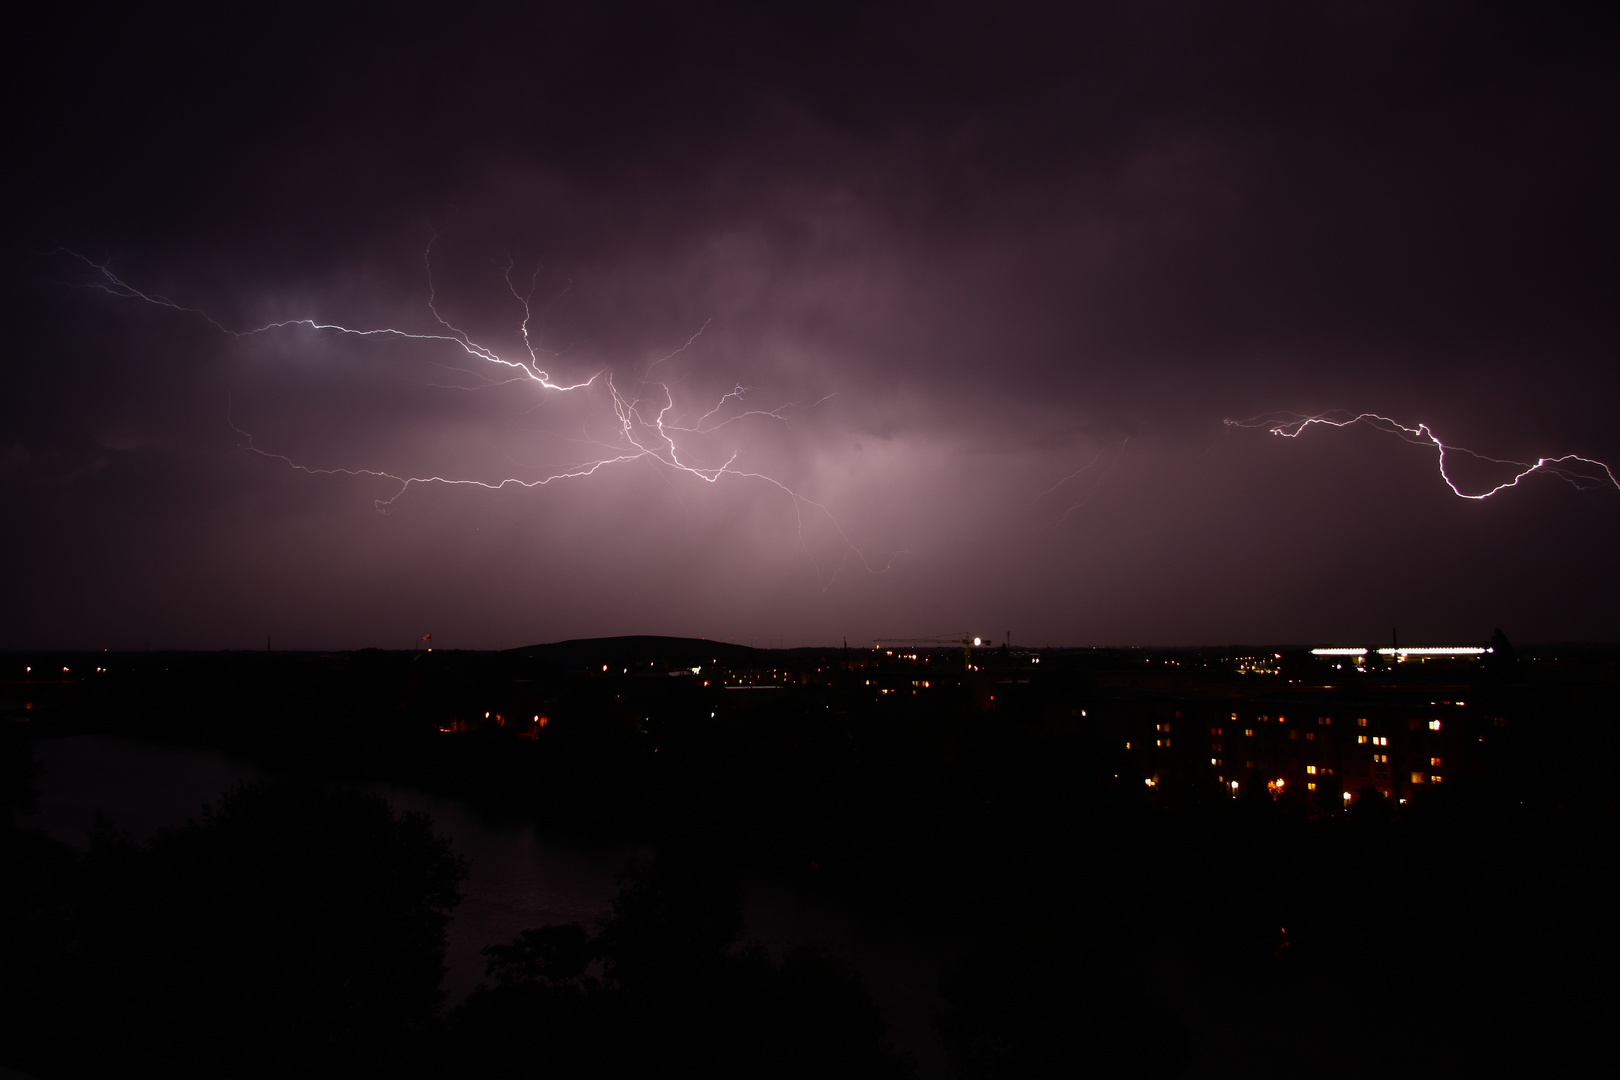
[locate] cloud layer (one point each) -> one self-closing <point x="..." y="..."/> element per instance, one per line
<point x="1000" y="275"/>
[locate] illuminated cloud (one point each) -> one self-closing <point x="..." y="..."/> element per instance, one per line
<point x="990" y="283"/>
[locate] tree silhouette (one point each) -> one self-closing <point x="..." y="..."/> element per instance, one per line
<point x="294" y="929"/>
<point x="1037" y="1005"/>
<point x="664" y="987"/>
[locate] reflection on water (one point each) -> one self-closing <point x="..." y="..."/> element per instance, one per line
<point x="517" y="878"/>
<point x="515" y="881"/>
<point x="141" y="788"/>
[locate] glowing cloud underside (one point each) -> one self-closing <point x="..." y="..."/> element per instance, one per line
<point x="1579" y="472"/>
<point x="642" y="425"/>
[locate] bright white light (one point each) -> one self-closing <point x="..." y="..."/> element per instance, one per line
<point x="977" y="642"/>
<point x="1338" y="652"/>
<point x="1437" y="650"/>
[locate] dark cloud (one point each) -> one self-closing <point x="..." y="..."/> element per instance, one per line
<point x="1001" y="271"/>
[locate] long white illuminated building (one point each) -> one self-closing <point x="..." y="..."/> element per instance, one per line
<point x="1423" y="650"/>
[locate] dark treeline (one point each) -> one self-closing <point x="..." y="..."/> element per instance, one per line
<point x="1095" y="924"/>
<point x="297" y="929"/>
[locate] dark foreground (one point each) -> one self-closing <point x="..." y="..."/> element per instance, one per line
<point x="1099" y="924"/>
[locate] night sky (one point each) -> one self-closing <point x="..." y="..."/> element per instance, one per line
<point x="992" y="279"/>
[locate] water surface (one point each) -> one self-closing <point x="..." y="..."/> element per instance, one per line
<point x="517" y="877"/>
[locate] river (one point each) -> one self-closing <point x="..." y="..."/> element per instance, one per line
<point x="517" y="878"/>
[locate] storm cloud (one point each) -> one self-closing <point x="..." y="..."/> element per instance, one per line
<point x="990" y="277"/>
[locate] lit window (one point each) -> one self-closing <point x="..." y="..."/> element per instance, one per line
<point x="1234" y="716"/>
<point x="1434" y="779"/>
<point x="1214" y="731"/>
<point x="1362" y="722"/>
<point x="1214" y="761"/>
<point x="1310" y="786"/>
<point x="1434" y="763"/>
<point x="1310" y="735"/>
<point x="1361" y="738"/>
<point x="1311" y="769"/>
<point x="1434" y="725"/>
<point x="1249" y="732"/>
<point x="1382" y="759"/>
<point x="1417" y="778"/>
<point x="1380" y="740"/>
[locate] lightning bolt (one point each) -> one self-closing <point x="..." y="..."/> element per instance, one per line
<point x="644" y="430"/>
<point x="1117" y="452"/>
<point x="1582" y="473"/>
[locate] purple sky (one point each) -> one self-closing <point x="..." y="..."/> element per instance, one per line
<point x="1001" y="273"/>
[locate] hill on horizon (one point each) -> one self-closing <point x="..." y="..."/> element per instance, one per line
<point x="641" y="651"/>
